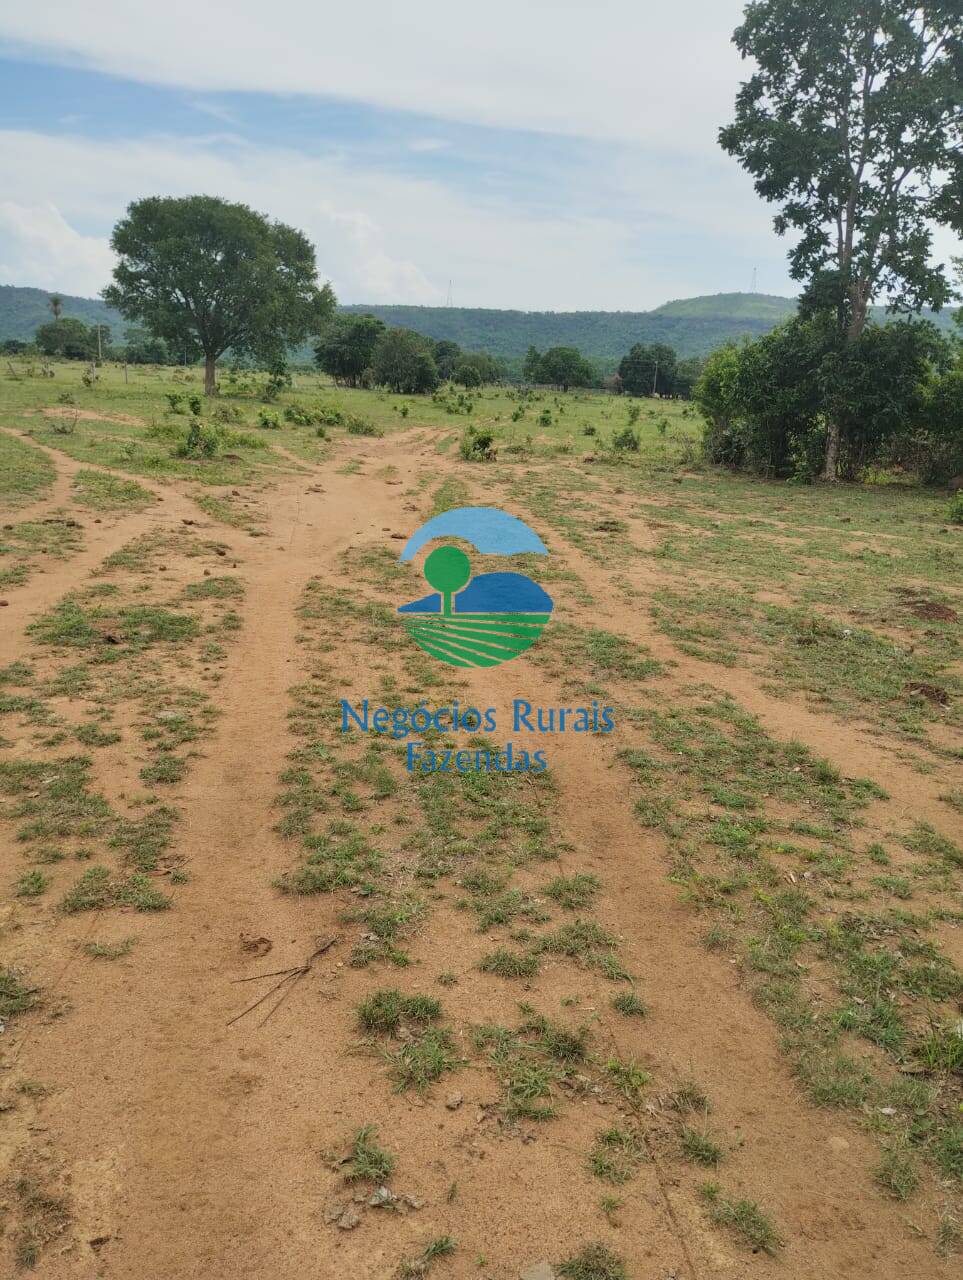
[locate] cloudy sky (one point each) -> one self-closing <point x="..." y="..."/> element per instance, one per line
<point x="541" y="155"/>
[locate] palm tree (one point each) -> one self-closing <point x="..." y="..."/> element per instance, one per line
<point x="56" y="305"/>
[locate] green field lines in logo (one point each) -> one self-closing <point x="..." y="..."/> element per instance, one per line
<point x="477" y="639"/>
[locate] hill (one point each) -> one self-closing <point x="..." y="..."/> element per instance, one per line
<point x="693" y="326"/>
<point x="23" y="310"/>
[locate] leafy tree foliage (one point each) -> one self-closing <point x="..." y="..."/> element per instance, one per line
<point x="68" y="338"/>
<point x="201" y="268"/>
<point x="851" y="122"/>
<point x="475" y="369"/>
<point x="564" y="368"/>
<point x="347" y="346"/>
<point x="141" y="347"/>
<point x="403" y="362"/>
<point x="447" y="354"/>
<point x="768" y="403"/>
<point x="649" y="370"/>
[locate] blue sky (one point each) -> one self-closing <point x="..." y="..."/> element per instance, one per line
<point x="551" y="155"/>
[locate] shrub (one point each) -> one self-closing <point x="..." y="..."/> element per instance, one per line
<point x="363" y="427"/>
<point x="477" y="446"/>
<point x="626" y="440"/>
<point x="955" y="511"/>
<point x="201" y="441"/>
<point x="270" y="421"/>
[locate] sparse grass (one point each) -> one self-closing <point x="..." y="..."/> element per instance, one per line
<point x="442" y="1247"/>
<point x="368" y="1162"/>
<point x="572" y="892"/>
<point x="592" y="1262"/>
<point x="689" y="1098"/>
<point x="98" y="889"/>
<point x="509" y="964"/>
<point x="743" y="1217"/>
<point x="108" y="950"/>
<point x="629" y="1004"/>
<point x="31" y="884"/>
<point x="617" y="1155"/>
<point x="699" y="1147"/>
<point x="103" y="491"/>
<point x="15" y="996"/>
<point x="384" y="1011"/>
<point x="897" y="1174"/>
<point x="25" y="472"/>
<point x="422" y="1061"/>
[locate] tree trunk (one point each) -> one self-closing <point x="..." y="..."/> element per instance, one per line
<point x="831" y="464"/>
<point x="859" y="295"/>
<point x="210" y="381"/>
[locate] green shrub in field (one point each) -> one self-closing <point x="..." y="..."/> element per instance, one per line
<point x="625" y="440"/>
<point x="201" y="441"/>
<point x="955" y="511"/>
<point x="175" y="399"/>
<point x="300" y="415"/>
<point x="477" y="446"/>
<point x="358" y="426"/>
<point x="270" y="421"/>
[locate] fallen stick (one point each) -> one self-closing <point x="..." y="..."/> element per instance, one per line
<point x="288" y="980"/>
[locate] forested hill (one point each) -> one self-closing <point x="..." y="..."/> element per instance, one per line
<point x="693" y="326"/>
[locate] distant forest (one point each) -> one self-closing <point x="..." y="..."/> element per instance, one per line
<point x="691" y="326"/>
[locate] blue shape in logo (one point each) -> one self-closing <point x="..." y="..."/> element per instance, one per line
<point x="490" y="531"/>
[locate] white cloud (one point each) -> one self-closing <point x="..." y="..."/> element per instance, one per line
<point x="380" y="236"/>
<point x="616" y="69"/>
<point x="39" y="247"/>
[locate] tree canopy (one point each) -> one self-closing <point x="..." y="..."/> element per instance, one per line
<point x="403" y="362"/>
<point x="203" y="269"/>
<point x="347" y="345"/>
<point x="852" y="123"/>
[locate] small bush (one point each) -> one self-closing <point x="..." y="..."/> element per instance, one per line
<point x="477" y="446"/>
<point x="363" y="427"/>
<point x="955" y="511"/>
<point x="625" y="440"/>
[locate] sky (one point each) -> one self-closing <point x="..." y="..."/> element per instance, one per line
<point x="542" y="155"/>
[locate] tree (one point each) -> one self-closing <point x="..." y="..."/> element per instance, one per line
<point x="447" y="354"/>
<point x="648" y="370"/>
<point x="68" y="338"/>
<point x="403" y="362"/>
<point x="13" y="347"/>
<point x="201" y="269"/>
<point x="532" y="368"/>
<point x="56" y="305"/>
<point x="347" y="345"/>
<point x="768" y="402"/>
<point x="475" y="369"/>
<point x="141" y="348"/>
<point x="852" y="123"/>
<point x="566" y="367"/>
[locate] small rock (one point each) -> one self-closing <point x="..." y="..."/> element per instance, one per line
<point x="4" y="603"/>
<point x="383" y="1196"/>
<point x="837" y="1143"/>
<point x="454" y="1101"/>
<point x="540" y="1271"/>
<point x="350" y="1219"/>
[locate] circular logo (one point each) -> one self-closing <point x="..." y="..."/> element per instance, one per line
<point x="481" y="620"/>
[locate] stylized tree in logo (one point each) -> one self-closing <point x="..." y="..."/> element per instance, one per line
<point x="447" y="569"/>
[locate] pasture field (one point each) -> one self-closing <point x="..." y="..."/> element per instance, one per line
<point x="686" y="1004"/>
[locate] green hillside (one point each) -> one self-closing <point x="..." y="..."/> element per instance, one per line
<point x="693" y="326"/>
<point x="23" y="310"/>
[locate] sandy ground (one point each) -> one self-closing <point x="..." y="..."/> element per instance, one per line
<point x="187" y="1147"/>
